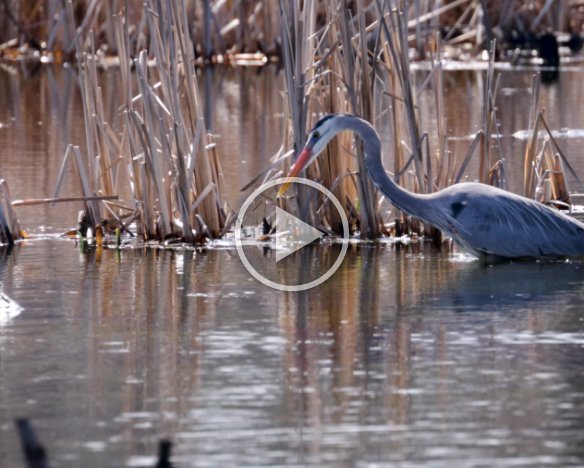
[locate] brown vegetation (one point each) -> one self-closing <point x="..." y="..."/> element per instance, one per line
<point x="162" y="150"/>
<point x="217" y="28"/>
<point x="340" y="56"/>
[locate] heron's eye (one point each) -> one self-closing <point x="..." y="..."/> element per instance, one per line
<point x="315" y="135"/>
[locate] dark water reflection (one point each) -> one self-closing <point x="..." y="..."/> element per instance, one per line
<point x="405" y="356"/>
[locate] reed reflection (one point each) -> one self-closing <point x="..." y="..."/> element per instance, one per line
<point x="148" y="309"/>
<point x="400" y="349"/>
<point x="9" y="309"/>
<point x="405" y="339"/>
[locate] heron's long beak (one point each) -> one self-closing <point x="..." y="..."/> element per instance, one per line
<point x="299" y="165"/>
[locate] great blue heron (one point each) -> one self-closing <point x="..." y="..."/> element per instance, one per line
<point x="486" y="221"/>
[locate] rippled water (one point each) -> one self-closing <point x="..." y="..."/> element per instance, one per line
<point x="406" y="356"/>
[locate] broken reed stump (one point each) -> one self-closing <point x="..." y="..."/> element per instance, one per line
<point x="164" y="453"/>
<point x="34" y="453"/>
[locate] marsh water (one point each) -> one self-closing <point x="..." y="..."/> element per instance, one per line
<point x="407" y="356"/>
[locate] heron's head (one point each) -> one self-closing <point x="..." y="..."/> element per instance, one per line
<point x="322" y="132"/>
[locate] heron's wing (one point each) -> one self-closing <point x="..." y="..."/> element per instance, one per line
<point x="500" y="223"/>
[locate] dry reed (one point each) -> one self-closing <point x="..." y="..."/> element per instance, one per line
<point x="161" y="150"/>
<point x="226" y="28"/>
<point x="327" y="71"/>
<point x="357" y="64"/>
<point x="339" y="56"/>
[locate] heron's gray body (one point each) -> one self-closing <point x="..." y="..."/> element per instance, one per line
<point x="490" y="222"/>
<point x="486" y="221"/>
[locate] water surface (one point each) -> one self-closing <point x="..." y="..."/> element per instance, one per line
<point x="406" y="356"/>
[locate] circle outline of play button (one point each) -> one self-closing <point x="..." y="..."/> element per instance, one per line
<point x="295" y="287"/>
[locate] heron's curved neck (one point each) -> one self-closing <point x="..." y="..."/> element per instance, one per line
<point x="401" y="198"/>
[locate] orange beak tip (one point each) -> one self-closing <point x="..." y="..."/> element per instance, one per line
<point x="300" y="163"/>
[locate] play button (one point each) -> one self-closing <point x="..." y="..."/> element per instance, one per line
<point x="293" y="234"/>
<point x="270" y="260"/>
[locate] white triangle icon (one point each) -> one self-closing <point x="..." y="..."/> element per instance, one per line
<point x="293" y="234"/>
